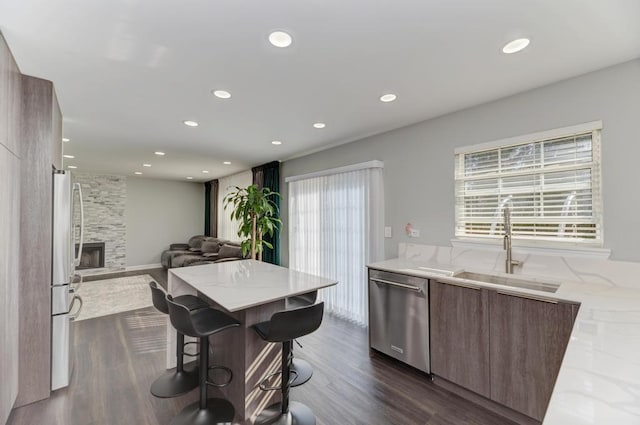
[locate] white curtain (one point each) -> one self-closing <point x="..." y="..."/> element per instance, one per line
<point x="336" y="228"/>
<point x="227" y="228"/>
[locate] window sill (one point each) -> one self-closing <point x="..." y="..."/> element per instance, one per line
<point x="526" y="247"/>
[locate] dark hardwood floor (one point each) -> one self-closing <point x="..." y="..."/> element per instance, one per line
<point x="117" y="358"/>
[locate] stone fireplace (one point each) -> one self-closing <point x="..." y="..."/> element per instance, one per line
<point x="92" y="256"/>
<point x="104" y="219"/>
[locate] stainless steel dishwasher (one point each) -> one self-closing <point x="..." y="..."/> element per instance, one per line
<point x="399" y="317"/>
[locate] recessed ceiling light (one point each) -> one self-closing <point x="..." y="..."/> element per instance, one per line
<point x="227" y="162"/>
<point x="189" y="178"/>
<point x="146" y="165"/>
<point x="138" y="172"/>
<point x="319" y="125"/>
<point x="65" y="139"/>
<point x="73" y="167"/>
<point x="69" y="156"/>
<point x="390" y="97"/>
<point x="205" y="171"/>
<point x="515" y="45"/>
<point x="159" y="153"/>
<point x="276" y="142"/>
<point x="222" y="94"/>
<point x="190" y="123"/>
<point x="280" y="39"/>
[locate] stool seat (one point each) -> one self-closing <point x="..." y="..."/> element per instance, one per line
<point x="183" y="378"/>
<point x="198" y="323"/>
<point x="300" y="369"/>
<point x="288" y="325"/>
<point x="202" y="323"/>
<point x="158" y="296"/>
<point x="191" y="302"/>
<point x="285" y="326"/>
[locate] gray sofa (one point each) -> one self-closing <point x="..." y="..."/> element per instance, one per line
<point x="200" y="249"/>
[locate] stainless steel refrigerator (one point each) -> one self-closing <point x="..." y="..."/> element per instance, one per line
<point x="65" y="302"/>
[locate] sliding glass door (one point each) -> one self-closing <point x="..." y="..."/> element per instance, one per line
<point x="336" y="228"/>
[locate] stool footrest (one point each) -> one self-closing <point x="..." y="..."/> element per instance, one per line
<point x="184" y="353"/>
<point x="215" y="384"/>
<point x="263" y="383"/>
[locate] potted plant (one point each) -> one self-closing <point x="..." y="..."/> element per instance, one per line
<point x="257" y="213"/>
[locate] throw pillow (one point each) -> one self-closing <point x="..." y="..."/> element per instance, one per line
<point x="230" y="251"/>
<point x="210" y="246"/>
<point x="196" y="241"/>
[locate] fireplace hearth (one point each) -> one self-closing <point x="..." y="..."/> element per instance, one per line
<point x="92" y="256"/>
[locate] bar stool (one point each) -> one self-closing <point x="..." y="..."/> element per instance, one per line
<point x="202" y="323"/>
<point x="300" y="369"/>
<point x="184" y="378"/>
<point x="285" y="326"/>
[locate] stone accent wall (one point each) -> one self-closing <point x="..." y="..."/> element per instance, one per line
<point x="104" y="215"/>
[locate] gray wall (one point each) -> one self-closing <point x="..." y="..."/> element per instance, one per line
<point x="160" y="212"/>
<point x="419" y="165"/>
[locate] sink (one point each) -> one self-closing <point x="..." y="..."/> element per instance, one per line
<point x="509" y="281"/>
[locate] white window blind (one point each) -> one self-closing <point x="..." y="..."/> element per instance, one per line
<point x="227" y="228"/>
<point x="335" y="229"/>
<point x="552" y="186"/>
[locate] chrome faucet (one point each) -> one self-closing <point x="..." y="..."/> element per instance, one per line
<point x="509" y="262"/>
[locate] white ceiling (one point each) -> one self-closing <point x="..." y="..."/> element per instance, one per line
<point x="128" y="72"/>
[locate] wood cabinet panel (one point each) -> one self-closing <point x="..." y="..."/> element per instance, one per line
<point x="36" y="146"/>
<point x="9" y="278"/>
<point x="460" y="336"/>
<point x="9" y="231"/>
<point x="528" y="341"/>
<point x="10" y="96"/>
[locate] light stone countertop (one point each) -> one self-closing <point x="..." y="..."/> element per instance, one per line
<point x="238" y="285"/>
<point x="599" y="380"/>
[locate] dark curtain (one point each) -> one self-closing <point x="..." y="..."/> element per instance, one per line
<point x="211" y="208"/>
<point x="268" y="175"/>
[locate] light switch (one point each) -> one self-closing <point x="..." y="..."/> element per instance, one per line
<point x="387" y="231"/>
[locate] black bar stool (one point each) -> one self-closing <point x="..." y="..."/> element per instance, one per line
<point x="285" y="326"/>
<point x="184" y="378"/>
<point x="201" y="324"/>
<point x="300" y="369"/>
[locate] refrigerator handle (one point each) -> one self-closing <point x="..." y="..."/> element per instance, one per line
<point x="74" y="316"/>
<point x="76" y="261"/>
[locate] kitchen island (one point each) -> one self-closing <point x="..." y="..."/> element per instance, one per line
<point x="250" y="291"/>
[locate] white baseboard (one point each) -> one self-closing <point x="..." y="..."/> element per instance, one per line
<point x="143" y="267"/>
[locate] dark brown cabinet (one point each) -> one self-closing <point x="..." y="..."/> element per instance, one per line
<point x="460" y="335"/>
<point x="505" y="347"/>
<point x="528" y="340"/>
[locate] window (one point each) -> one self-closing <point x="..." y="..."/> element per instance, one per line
<point x="227" y="228"/>
<point x="335" y="230"/>
<point x="550" y="180"/>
